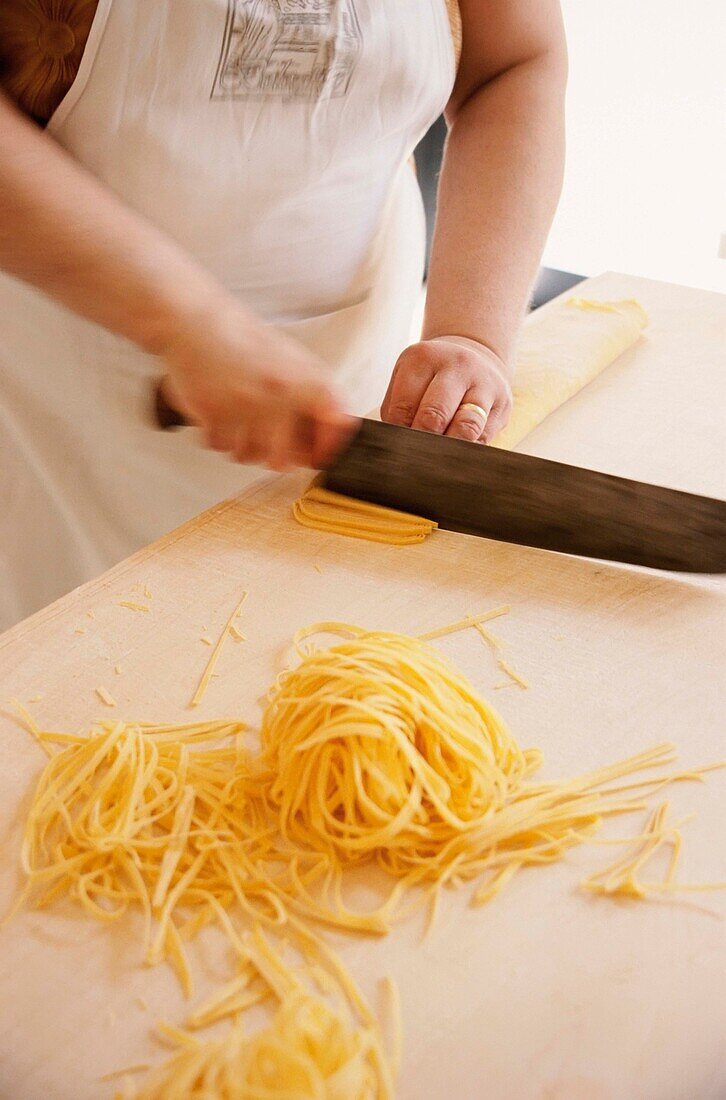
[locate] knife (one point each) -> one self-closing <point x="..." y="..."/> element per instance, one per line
<point x="497" y="494"/>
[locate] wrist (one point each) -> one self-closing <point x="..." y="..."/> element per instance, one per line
<point x="502" y="365"/>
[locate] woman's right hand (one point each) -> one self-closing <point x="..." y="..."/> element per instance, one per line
<point x="255" y="394"/>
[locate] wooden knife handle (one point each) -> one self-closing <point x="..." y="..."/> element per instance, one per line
<point x="165" y="415"/>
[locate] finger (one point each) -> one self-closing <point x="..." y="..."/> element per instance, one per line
<point x="251" y="440"/>
<point x="219" y="439"/>
<point x="241" y="448"/>
<point x="472" y="416"/>
<point x="303" y="441"/>
<point x="280" y="442"/>
<point x="497" y="420"/>
<point x="322" y="427"/>
<point x="440" y="402"/>
<point x="170" y="409"/>
<point x="166" y="415"/>
<point x="330" y="435"/>
<point x="258" y="432"/>
<point x="219" y="434"/>
<point x="411" y="376"/>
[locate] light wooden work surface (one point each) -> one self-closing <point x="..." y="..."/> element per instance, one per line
<point x="546" y="993"/>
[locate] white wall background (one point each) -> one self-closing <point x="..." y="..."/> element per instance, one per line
<point x="645" y="186"/>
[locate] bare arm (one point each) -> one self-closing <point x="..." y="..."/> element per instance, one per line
<point x="69" y="236"/>
<point x="499" y="187"/>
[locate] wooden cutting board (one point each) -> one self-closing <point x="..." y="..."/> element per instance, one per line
<point x="546" y="993"/>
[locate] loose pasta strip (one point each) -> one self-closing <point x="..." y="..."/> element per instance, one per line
<point x="621" y="878"/>
<point x="496" y="646"/>
<point x="464" y="624"/>
<point x="229" y="627"/>
<point x="105" y="696"/>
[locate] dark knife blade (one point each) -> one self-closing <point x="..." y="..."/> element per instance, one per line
<point x="516" y="498"/>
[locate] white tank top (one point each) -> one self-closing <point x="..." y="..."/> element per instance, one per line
<point x="271" y="139"/>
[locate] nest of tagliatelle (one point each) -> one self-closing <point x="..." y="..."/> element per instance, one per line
<point x="377" y="749"/>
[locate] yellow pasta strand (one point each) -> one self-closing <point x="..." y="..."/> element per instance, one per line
<point x="212" y="662"/>
<point x="512" y="673"/>
<point x="138" y="1068"/>
<point x="621" y="878"/>
<point x="105" y="696"/>
<point x="496" y="646"/>
<point x="462" y="624"/>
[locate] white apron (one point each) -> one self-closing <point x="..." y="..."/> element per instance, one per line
<point x="271" y="139"/>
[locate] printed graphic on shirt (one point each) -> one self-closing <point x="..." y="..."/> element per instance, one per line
<point x="295" y="49"/>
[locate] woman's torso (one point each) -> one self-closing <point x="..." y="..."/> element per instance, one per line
<point x="270" y="138"/>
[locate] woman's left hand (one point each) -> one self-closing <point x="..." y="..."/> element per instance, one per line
<point x="450" y="385"/>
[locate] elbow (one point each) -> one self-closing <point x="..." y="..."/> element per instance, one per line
<point x="555" y="64"/>
<point x="543" y="71"/>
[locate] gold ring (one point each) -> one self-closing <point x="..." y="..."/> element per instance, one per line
<point x="479" y="409"/>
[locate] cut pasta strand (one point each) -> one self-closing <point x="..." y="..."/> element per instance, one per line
<point x="621" y="877"/>
<point x="105" y="697"/>
<point x="496" y="646"/>
<point x="463" y="624"/>
<point x="212" y="662"/>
